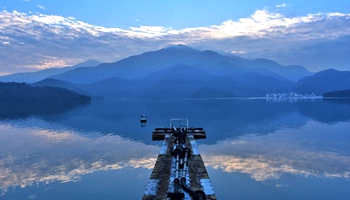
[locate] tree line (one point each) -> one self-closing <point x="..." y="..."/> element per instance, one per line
<point x="23" y="92"/>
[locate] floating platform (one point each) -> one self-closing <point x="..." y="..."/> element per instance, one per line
<point x="160" y="133"/>
<point x="179" y="172"/>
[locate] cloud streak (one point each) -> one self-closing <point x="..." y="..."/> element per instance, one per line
<point x="36" y="41"/>
<point x="41" y="7"/>
<point x="281" y="5"/>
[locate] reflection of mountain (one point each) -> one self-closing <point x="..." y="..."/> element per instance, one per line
<point x="224" y="118"/>
<point x="325" y="110"/>
<point x="221" y="118"/>
<point x="15" y="110"/>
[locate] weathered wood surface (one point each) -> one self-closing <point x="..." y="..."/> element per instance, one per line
<point x="160" y="179"/>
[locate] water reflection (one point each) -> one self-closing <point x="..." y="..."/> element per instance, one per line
<point x="22" y="110"/>
<point x="224" y="117"/>
<point x="34" y="155"/>
<point x="251" y="140"/>
<point x="313" y="150"/>
<point x="326" y="110"/>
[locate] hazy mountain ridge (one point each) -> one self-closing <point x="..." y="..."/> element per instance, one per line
<point x="182" y="72"/>
<point x="141" y="65"/>
<point x="31" y="77"/>
<point x="184" y="81"/>
<point x="21" y="100"/>
<point x="62" y="84"/>
<point x="22" y="92"/>
<point x="324" y="81"/>
<point x="291" y="72"/>
<point x="177" y="81"/>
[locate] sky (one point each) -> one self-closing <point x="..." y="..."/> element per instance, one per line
<point x="40" y="34"/>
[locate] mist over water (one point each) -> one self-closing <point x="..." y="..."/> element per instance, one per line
<point x="255" y="148"/>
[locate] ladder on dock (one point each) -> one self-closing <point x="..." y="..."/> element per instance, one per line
<point x="179" y="172"/>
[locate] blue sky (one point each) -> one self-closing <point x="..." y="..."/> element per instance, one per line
<point x="39" y="34"/>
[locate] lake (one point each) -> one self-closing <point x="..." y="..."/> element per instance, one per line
<point x="255" y="148"/>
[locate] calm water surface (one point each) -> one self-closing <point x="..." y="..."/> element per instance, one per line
<point x="255" y="148"/>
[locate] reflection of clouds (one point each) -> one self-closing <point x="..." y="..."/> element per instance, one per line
<point x="29" y="156"/>
<point x="296" y="152"/>
<point x="56" y="137"/>
<point x="263" y="168"/>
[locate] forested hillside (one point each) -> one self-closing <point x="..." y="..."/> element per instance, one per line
<point x="26" y="93"/>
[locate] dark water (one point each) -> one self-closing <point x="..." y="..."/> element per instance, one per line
<point x="255" y="148"/>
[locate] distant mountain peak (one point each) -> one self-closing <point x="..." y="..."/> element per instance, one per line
<point x="266" y="61"/>
<point x="210" y="52"/>
<point x="329" y="70"/>
<point x="92" y="61"/>
<point x="180" y="47"/>
<point x="88" y="63"/>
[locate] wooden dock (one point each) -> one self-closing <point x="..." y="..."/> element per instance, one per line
<point x="174" y="175"/>
<point x="160" y="133"/>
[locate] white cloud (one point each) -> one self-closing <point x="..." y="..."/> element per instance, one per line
<point x="281" y="5"/>
<point x="41" y="7"/>
<point x="238" y="52"/>
<point x="67" y="40"/>
<point x="150" y="31"/>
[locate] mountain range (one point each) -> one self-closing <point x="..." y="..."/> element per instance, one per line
<point x="21" y="100"/>
<point x="324" y="81"/>
<point x="31" y="77"/>
<point x="182" y="72"/>
<point x="146" y="63"/>
<point x="338" y="94"/>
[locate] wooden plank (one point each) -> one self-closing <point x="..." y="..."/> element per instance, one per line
<point x="161" y="173"/>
